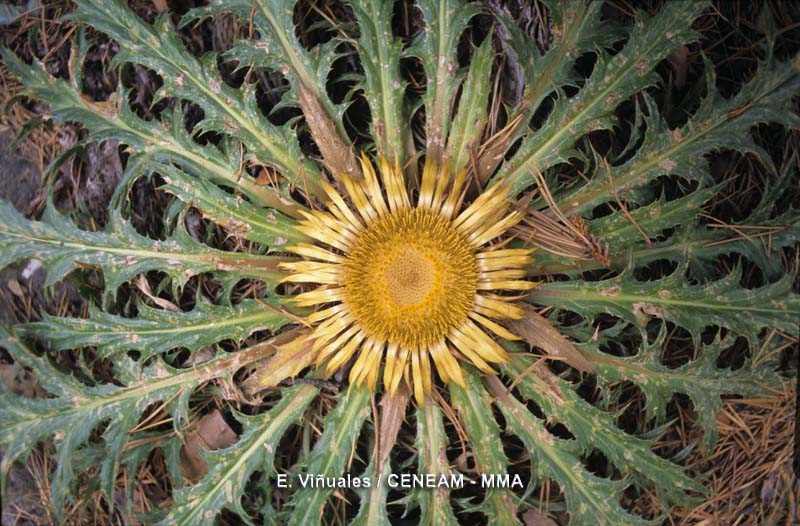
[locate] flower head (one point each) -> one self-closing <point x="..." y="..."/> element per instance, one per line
<point x="402" y="284"/>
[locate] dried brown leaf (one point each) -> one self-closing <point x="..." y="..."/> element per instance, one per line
<point x="495" y="147"/>
<point x="337" y="156"/>
<point x="160" y="5"/>
<point x="15" y="288"/>
<point x="679" y="60"/>
<point x="538" y="332"/>
<point x="144" y="287"/>
<point x="213" y="432"/>
<point x="393" y="411"/>
<point x="536" y="518"/>
<point x="19" y="380"/>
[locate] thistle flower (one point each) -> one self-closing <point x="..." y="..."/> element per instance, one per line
<point x="416" y="282"/>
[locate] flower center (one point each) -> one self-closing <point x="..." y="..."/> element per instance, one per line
<point x="410" y="277"/>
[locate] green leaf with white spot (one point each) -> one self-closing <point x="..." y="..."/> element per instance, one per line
<point x="229" y="111"/>
<point x="474" y="408"/>
<point x="75" y="409"/>
<point x="383" y="86"/>
<point x="591" y="500"/>
<point x="155" y="331"/>
<point x="700" y="378"/>
<point x="613" y="79"/>
<point x="230" y="468"/>
<point x="330" y="455"/>
<point x="723" y="303"/>
<point x="597" y="429"/>
<point x="436" y="47"/>
<point x="119" y="251"/>
<point x="431" y="445"/>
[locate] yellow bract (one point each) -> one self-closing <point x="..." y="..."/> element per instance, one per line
<point x="405" y="284"/>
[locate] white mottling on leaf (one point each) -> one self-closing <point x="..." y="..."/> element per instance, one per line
<point x="643" y="311"/>
<point x="667" y="164"/>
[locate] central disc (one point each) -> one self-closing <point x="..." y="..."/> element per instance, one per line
<point x="410" y="277"/>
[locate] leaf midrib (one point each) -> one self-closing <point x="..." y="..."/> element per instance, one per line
<point x="298" y="400"/>
<point x="631" y="298"/>
<point x="554" y="458"/>
<point x="213" y="259"/>
<point x="143" y="388"/>
<point x="580" y="116"/>
<point x="184" y="327"/>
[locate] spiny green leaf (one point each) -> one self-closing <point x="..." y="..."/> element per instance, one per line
<point x="431" y="444"/>
<point x="723" y="303"/>
<point x="596" y="429"/>
<point x="700" y="378"/>
<point x="612" y="81"/>
<point x="762" y="245"/>
<point x="619" y="233"/>
<point x="693" y="242"/>
<point x="474" y="408"/>
<point x="166" y="140"/>
<point x="76" y="409"/>
<point x="760" y="237"/>
<point x="383" y="86"/>
<point x="238" y="216"/>
<point x="279" y="49"/>
<point x="576" y="28"/>
<point x="155" y="331"/>
<point x="372" y="511"/>
<point x="330" y="454"/>
<point x="436" y="47"/>
<point x="229" y="111"/>
<point x="469" y="122"/>
<point x="717" y="124"/>
<point x="591" y="500"/>
<point x="230" y="468"/>
<point x="119" y="251"/>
